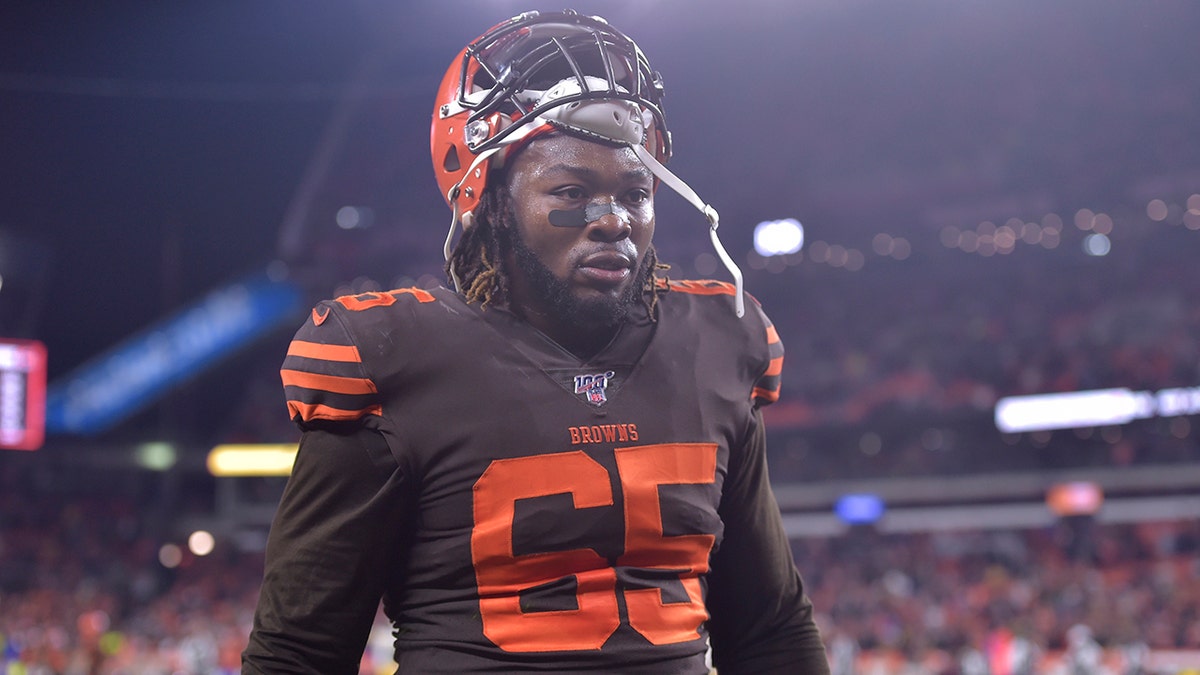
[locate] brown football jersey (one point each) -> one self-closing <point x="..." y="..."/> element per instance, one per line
<point x="564" y="513"/>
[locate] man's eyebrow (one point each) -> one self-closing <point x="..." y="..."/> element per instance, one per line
<point x="590" y="173"/>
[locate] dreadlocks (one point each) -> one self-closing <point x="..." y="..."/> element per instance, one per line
<point x="478" y="257"/>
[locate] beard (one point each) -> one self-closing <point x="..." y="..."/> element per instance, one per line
<point x="598" y="312"/>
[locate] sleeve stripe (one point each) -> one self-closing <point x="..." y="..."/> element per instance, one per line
<point x="329" y="383"/>
<point x="316" y="350"/>
<point x="766" y="395"/>
<point x="768" y="383"/>
<point x="316" y="411"/>
<point x="766" y="389"/>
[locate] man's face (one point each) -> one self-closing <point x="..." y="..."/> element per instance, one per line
<point x="584" y="221"/>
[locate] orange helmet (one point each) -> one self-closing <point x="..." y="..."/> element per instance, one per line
<point x="535" y="73"/>
<point x="541" y="72"/>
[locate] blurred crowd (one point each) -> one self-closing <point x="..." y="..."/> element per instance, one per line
<point x="954" y="332"/>
<point x="85" y="588"/>
<point x="886" y="448"/>
<point x="892" y="371"/>
<point x="948" y="598"/>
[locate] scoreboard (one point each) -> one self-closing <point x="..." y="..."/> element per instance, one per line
<point x="22" y="394"/>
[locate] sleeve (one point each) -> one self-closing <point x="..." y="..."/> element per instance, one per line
<point x="766" y="387"/>
<point x="323" y="375"/>
<point x="336" y="537"/>
<point x="761" y="621"/>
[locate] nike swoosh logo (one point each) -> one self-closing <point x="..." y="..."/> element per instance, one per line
<point x="319" y="318"/>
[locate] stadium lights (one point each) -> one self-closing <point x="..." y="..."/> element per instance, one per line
<point x="1096" y="245"/>
<point x="156" y="456"/>
<point x="252" y="459"/>
<point x="1080" y="498"/>
<point x="1070" y="410"/>
<point x="1094" y="408"/>
<point x="859" y="509"/>
<point x="778" y="237"/>
<point x="201" y="542"/>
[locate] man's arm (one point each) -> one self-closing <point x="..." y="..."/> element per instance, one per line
<point x="762" y="622"/>
<point x="336" y="538"/>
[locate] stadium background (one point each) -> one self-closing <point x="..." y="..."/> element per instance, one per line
<point x="998" y="199"/>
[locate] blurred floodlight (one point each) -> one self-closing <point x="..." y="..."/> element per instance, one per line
<point x="706" y="264"/>
<point x="354" y="217"/>
<point x="859" y="509"/>
<point x="1096" y="245"/>
<point x="170" y="556"/>
<point x="156" y="456"/>
<point x="949" y="236"/>
<point x="1079" y="498"/>
<point x="277" y="271"/>
<point x="1096" y="408"/>
<point x="1157" y="210"/>
<point x="778" y="237"/>
<point x="91" y="624"/>
<point x="201" y="543"/>
<point x="870" y="443"/>
<point x="252" y="460"/>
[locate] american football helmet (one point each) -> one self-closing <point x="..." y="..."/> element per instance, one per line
<point x="541" y="72"/>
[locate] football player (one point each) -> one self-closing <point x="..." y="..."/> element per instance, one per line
<point x="558" y="465"/>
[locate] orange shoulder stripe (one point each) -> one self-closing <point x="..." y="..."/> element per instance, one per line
<point x="775" y="367"/>
<point x="330" y="383"/>
<point x="316" y="350"/>
<point x="317" y="411"/>
<point x="772" y="334"/>
<point x="361" y="301"/>
<point x="699" y="286"/>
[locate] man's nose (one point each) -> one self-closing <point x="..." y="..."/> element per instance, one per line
<point x="608" y="221"/>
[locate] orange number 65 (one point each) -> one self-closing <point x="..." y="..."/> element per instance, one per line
<point x="501" y="575"/>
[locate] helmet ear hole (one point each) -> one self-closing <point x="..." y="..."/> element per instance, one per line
<point x="450" y="162"/>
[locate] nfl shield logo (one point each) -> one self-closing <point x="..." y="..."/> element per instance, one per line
<point x="593" y="386"/>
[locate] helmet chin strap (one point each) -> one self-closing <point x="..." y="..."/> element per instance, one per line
<point x="457" y="216"/>
<point x="675" y="183"/>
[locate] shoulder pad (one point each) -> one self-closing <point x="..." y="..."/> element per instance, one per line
<point x="323" y="374"/>
<point x="761" y="337"/>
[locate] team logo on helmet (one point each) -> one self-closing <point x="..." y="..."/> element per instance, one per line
<point x="593" y="386"/>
